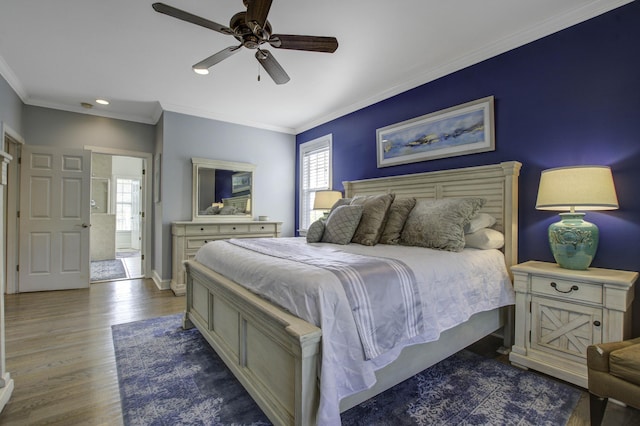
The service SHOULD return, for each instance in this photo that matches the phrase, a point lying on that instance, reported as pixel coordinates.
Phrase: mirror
(222, 190)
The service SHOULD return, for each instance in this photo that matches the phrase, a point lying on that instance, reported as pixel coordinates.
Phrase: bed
(279, 357)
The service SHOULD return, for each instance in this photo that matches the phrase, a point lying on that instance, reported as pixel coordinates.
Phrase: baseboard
(6, 390)
(160, 283)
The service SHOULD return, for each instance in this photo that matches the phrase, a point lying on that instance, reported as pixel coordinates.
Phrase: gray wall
(10, 107)
(185, 136)
(178, 138)
(52, 127)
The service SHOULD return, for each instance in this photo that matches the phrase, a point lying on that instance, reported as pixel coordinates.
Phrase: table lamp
(574, 241)
(325, 199)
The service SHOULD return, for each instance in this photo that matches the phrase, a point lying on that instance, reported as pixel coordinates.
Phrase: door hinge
(529, 336)
(19, 160)
(18, 213)
(529, 306)
(142, 214)
(144, 172)
(17, 268)
(142, 257)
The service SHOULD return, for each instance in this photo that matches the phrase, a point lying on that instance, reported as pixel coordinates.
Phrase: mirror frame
(204, 163)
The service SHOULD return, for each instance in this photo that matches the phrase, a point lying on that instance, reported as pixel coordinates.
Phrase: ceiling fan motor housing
(245, 35)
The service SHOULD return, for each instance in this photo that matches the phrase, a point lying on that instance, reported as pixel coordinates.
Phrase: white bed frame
(276, 356)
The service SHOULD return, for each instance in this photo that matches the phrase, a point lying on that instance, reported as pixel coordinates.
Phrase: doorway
(116, 217)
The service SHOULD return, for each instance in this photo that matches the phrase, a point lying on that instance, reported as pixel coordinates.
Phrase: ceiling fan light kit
(252, 30)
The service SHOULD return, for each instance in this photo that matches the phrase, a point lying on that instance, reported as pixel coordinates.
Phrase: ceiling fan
(252, 30)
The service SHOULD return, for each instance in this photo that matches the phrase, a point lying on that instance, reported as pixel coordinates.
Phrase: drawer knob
(234, 228)
(573, 288)
(202, 229)
(596, 323)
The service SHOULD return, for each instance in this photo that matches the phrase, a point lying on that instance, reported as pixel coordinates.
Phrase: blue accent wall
(570, 98)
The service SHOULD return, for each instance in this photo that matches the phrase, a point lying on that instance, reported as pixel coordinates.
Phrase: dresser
(188, 237)
(559, 312)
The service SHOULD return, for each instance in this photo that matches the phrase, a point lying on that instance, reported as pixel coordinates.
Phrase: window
(127, 203)
(315, 174)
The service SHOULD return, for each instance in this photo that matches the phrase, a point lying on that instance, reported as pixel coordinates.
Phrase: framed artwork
(459, 130)
(241, 182)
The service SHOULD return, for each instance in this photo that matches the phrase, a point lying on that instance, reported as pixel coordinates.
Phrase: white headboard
(497, 183)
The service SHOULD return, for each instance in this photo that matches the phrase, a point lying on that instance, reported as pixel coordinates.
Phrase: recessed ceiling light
(102, 102)
(201, 71)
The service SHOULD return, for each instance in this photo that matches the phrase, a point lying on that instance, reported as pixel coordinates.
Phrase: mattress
(452, 287)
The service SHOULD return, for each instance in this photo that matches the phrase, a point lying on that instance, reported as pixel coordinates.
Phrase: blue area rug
(169, 376)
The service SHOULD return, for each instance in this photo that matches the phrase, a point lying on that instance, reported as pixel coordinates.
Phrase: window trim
(304, 148)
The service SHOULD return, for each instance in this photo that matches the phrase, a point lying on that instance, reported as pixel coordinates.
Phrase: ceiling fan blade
(217, 57)
(257, 11)
(189, 17)
(302, 42)
(272, 67)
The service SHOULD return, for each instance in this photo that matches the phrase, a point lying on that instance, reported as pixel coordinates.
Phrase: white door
(54, 218)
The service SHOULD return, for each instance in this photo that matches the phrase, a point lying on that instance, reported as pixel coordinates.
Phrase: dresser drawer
(234, 229)
(573, 290)
(196, 243)
(262, 228)
(201, 229)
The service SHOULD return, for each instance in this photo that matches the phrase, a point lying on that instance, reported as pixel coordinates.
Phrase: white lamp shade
(579, 187)
(324, 200)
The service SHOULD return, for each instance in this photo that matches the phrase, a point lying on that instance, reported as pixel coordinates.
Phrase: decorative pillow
(374, 216)
(212, 210)
(479, 221)
(484, 239)
(398, 213)
(340, 202)
(228, 210)
(440, 224)
(341, 224)
(315, 231)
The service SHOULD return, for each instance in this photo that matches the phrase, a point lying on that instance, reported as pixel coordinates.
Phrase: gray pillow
(440, 224)
(341, 224)
(398, 214)
(315, 231)
(340, 202)
(374, 216)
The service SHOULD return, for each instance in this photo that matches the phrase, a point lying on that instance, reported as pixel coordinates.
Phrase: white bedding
(453, 287)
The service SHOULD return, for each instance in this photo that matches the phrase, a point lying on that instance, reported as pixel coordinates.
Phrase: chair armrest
(598, 355)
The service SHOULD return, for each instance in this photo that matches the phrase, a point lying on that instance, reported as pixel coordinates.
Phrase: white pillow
(479, 221)
(485, 239)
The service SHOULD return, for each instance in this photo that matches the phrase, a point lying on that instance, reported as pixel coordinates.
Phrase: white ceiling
(59, 53)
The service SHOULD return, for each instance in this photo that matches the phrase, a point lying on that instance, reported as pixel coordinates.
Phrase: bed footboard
(273, 354)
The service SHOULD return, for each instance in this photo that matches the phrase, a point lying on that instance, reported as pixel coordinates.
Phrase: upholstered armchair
(614, 372)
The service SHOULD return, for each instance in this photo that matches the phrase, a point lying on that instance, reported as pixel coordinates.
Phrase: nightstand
(559, 312)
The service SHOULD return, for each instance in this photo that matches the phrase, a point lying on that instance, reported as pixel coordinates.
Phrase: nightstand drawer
(574, 290)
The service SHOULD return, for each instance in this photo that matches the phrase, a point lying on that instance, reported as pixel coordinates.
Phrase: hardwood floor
(60, 354)
(59, 350)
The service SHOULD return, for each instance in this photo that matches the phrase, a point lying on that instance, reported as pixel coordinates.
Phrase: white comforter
(453, 287)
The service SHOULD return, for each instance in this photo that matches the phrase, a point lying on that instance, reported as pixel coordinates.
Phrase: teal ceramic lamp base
(573, 241)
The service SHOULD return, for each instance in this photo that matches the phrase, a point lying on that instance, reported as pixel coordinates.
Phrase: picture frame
(240, 182)
(460, 130)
